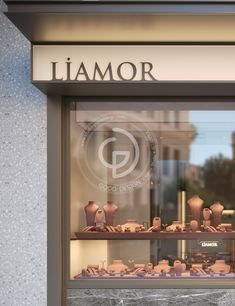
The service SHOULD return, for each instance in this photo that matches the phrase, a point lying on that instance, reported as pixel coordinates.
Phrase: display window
(151, 191)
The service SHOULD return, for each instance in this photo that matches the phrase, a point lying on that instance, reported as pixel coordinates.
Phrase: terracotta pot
(220, 265)
(194, 225)
(131, 225)
(110, 209)
(217, 210)
(195, 204)
(117, 266)
(90, 211)
(163, 265)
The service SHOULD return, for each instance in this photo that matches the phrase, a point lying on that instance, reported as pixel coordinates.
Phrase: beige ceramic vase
(117, 266)
(195, 204)
(217, 210)
(110, 209)
(163, 265)
(90, 211)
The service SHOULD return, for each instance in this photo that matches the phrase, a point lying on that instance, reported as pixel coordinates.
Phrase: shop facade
(140, 142)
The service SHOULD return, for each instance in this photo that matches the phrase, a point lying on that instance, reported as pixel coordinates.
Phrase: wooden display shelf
(154, 236)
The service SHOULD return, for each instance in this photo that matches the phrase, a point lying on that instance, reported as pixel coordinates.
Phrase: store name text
(125, 71)
(209, 243)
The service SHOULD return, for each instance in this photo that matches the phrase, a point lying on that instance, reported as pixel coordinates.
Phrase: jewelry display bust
(110, 209)
(195, 204)
(100, 218)
(217, 210)
(206, 215)
(90, 210)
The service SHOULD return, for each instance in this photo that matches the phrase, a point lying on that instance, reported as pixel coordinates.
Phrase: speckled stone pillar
(23, 176)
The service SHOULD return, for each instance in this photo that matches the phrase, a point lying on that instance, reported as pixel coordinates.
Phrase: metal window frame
(58, 213)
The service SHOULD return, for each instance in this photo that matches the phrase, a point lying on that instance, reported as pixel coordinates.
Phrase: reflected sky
(214, 134)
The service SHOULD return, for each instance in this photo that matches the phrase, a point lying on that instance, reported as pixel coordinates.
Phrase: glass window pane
(159, 176)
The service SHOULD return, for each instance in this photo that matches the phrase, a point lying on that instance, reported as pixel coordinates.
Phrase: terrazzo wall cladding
(23, 197)
(23, 161)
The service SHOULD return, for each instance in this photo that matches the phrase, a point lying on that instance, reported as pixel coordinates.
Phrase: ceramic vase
(117, 266)
(217, 210)
(110, 209)
(90, 211)
(195, 204)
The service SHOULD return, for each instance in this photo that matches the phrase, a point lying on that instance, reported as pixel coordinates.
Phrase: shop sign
(135, 63)
(209, 244)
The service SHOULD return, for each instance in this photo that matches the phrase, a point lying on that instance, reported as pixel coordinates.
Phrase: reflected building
(164, 138)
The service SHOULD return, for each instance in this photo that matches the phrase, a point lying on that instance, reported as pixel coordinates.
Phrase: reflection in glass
(149, 159)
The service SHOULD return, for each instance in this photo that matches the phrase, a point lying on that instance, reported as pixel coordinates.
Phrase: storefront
(141, 138)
